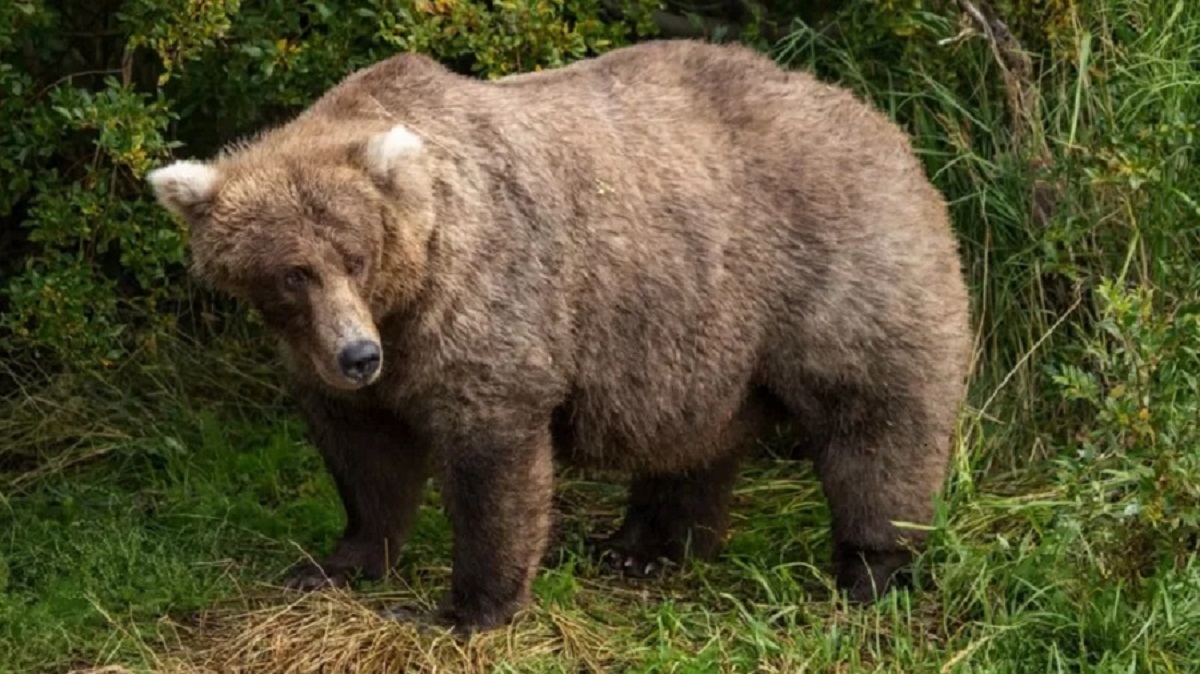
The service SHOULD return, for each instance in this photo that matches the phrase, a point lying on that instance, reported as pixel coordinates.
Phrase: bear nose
(359, 359)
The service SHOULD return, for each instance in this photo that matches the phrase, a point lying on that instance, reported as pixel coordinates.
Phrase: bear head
(322, 231)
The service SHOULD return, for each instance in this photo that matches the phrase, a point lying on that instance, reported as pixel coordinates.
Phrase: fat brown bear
(639, 262)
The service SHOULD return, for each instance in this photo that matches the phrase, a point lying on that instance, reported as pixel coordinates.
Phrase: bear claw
(633, 565)
(423, 622)
(311, 577)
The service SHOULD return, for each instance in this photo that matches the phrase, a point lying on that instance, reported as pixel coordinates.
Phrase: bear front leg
(674, 517)
(380, 471)
(498, 493)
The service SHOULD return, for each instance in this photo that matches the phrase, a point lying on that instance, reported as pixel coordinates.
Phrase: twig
(1029, 354)
(83, 73)
(1022, 94)
(1014, 63)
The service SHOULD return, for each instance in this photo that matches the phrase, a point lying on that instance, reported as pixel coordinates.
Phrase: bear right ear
(185, 188)
(386, 154)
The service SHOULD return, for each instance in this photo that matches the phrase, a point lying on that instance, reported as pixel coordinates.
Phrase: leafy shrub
(1131, 377)
(95, 94)
(1135, 460)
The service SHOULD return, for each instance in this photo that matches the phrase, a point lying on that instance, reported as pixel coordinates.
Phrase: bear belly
(608, 434)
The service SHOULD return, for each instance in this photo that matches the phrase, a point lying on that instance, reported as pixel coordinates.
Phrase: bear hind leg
(671, 518)
(686, 515)
(882, 464)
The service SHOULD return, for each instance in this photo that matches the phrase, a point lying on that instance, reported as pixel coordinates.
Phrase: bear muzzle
(359, 360)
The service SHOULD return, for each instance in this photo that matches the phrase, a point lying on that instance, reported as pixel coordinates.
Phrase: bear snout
(359, 360)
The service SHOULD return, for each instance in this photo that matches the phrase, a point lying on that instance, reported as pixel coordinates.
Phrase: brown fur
(636, 262)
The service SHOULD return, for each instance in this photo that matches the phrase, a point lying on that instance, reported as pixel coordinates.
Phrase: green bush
(94, 94)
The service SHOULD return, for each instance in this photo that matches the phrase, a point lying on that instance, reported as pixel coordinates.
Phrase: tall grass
(1078, 535)
(140, 512)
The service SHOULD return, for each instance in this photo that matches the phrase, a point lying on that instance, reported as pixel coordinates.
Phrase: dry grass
(336, 632)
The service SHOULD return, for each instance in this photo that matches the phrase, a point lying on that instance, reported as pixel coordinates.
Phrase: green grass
(144, 524)
(162, 555)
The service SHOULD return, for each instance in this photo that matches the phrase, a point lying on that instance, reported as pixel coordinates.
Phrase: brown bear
(637, 262)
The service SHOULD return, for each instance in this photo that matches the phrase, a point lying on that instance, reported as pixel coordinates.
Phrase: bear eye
(295, 279)
(355, 264)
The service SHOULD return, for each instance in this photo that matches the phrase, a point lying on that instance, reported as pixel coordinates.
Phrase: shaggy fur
(638, 262)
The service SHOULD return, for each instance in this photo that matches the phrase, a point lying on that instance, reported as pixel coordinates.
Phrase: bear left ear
(387, 153)
(185, 188)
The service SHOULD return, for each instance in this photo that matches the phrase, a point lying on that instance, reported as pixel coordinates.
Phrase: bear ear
(385, 154)
(185, 188)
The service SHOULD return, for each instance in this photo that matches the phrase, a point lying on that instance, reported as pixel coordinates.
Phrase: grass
(162, 554)
(144, 525)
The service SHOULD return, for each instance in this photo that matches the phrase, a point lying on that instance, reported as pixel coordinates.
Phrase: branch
(1022, 95)
(1014, 62)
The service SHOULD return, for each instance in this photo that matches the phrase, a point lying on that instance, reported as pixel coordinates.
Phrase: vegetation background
(154, 481)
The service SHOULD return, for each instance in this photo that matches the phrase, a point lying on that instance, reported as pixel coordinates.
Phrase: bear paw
(425, 623)
(351, 561)
(309, 576)
(482, 615)
(631, 558)
(866, 575)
